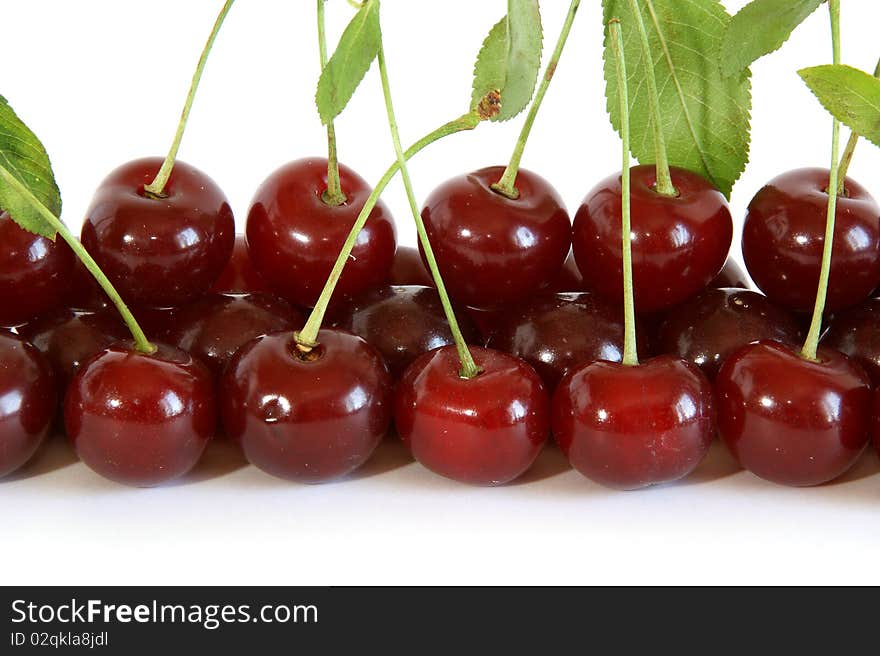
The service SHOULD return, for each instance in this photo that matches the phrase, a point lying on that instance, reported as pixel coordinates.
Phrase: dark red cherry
(558, 333)
(214, 328)
(732, 276)
(159, 251)
(712, 326)
(484, 431)
(631, 427)
(491, 250)
(408, 268)
(856, 333)
(141, 419)
(28, 401)
(35, 273)
(294, 237)
(569, 279)
(790, 420)
(678, 244)
(85, 293)
(307, 419)
(240, 276)
(784, 234)
(404, 322)
(486, 320)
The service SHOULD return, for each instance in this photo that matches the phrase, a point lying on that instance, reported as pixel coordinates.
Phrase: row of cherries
(537, 320)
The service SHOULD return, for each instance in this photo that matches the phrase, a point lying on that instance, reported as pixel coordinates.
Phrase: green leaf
(761, 27)
(24, 159)
(705, 117)
(852, 96)
(510, 60)
(357, 49)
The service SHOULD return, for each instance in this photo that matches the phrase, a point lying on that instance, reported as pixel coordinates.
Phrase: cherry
(560, 332)
(679, 244)
(408, 268)
(731, 277)
(307, 418)
(486, 320)
(35, 273)
(712, 326)
(141, 419)
(240, 276)
(214, 328)
(629, 427)
(85, 293)
(784, 234)
(491, 250)
(27, 401)
(164, 251)
(790, 420)
(569, 278)
(294, 237)
(404, 322)
(856, 333)
(486, 430)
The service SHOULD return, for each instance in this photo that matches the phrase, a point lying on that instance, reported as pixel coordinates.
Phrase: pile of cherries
(540, 301)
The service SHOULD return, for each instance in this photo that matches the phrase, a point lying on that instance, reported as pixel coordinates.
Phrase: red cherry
(28, 395)
(217, 326)
(402, 323)
(307, 420)
(731, 277)
(792, 421)
(35, 273)
(784, 234)
(240, 276)
(493, 251)
(141, 419)
(484, 431)
(85, 293)
(678, 244)
(569, 279)
(159, 252)
(561, 332)
(631, 427)
(856, 333)
(408, 268)
(712, 326)
(294, 237)
(486, 320)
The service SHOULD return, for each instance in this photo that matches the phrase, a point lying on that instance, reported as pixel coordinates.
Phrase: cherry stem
(812, 344)
(630, 351)
(333, 195)
(141, 342)
(308, 336)
(849, 151)
(156, 188)
(506, 186)
(664, 185)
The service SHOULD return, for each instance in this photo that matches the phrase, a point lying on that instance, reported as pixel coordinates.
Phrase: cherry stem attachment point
(506, 186)
(812, 344)
(333, 195)
(849, 151)
(156, 188)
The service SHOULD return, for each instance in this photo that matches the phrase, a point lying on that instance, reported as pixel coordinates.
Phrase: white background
(102, 82)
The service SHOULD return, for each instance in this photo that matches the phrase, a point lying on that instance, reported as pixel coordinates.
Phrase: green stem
(812, 344)
(630, 350)
(140, 339)
(850, 149)
(664, 178)
(307, 338)
(157, 187)
(507, 184)
(333, 195)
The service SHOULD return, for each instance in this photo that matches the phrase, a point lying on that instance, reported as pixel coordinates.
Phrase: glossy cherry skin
(561, 332)
(140, 419)
(491, 250)
(240, 276)
(159, 252)
(732, 276)
(404, 322)
(569, 279)
(709, 328)
(678, 244)
(85, 293)
(856, 334)
(294, 237)
(35, 273)
(484, 431)
(784, 234)
(28, 400)
(307, 421)
(792, 421)
(408, 269)
(631, 427)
